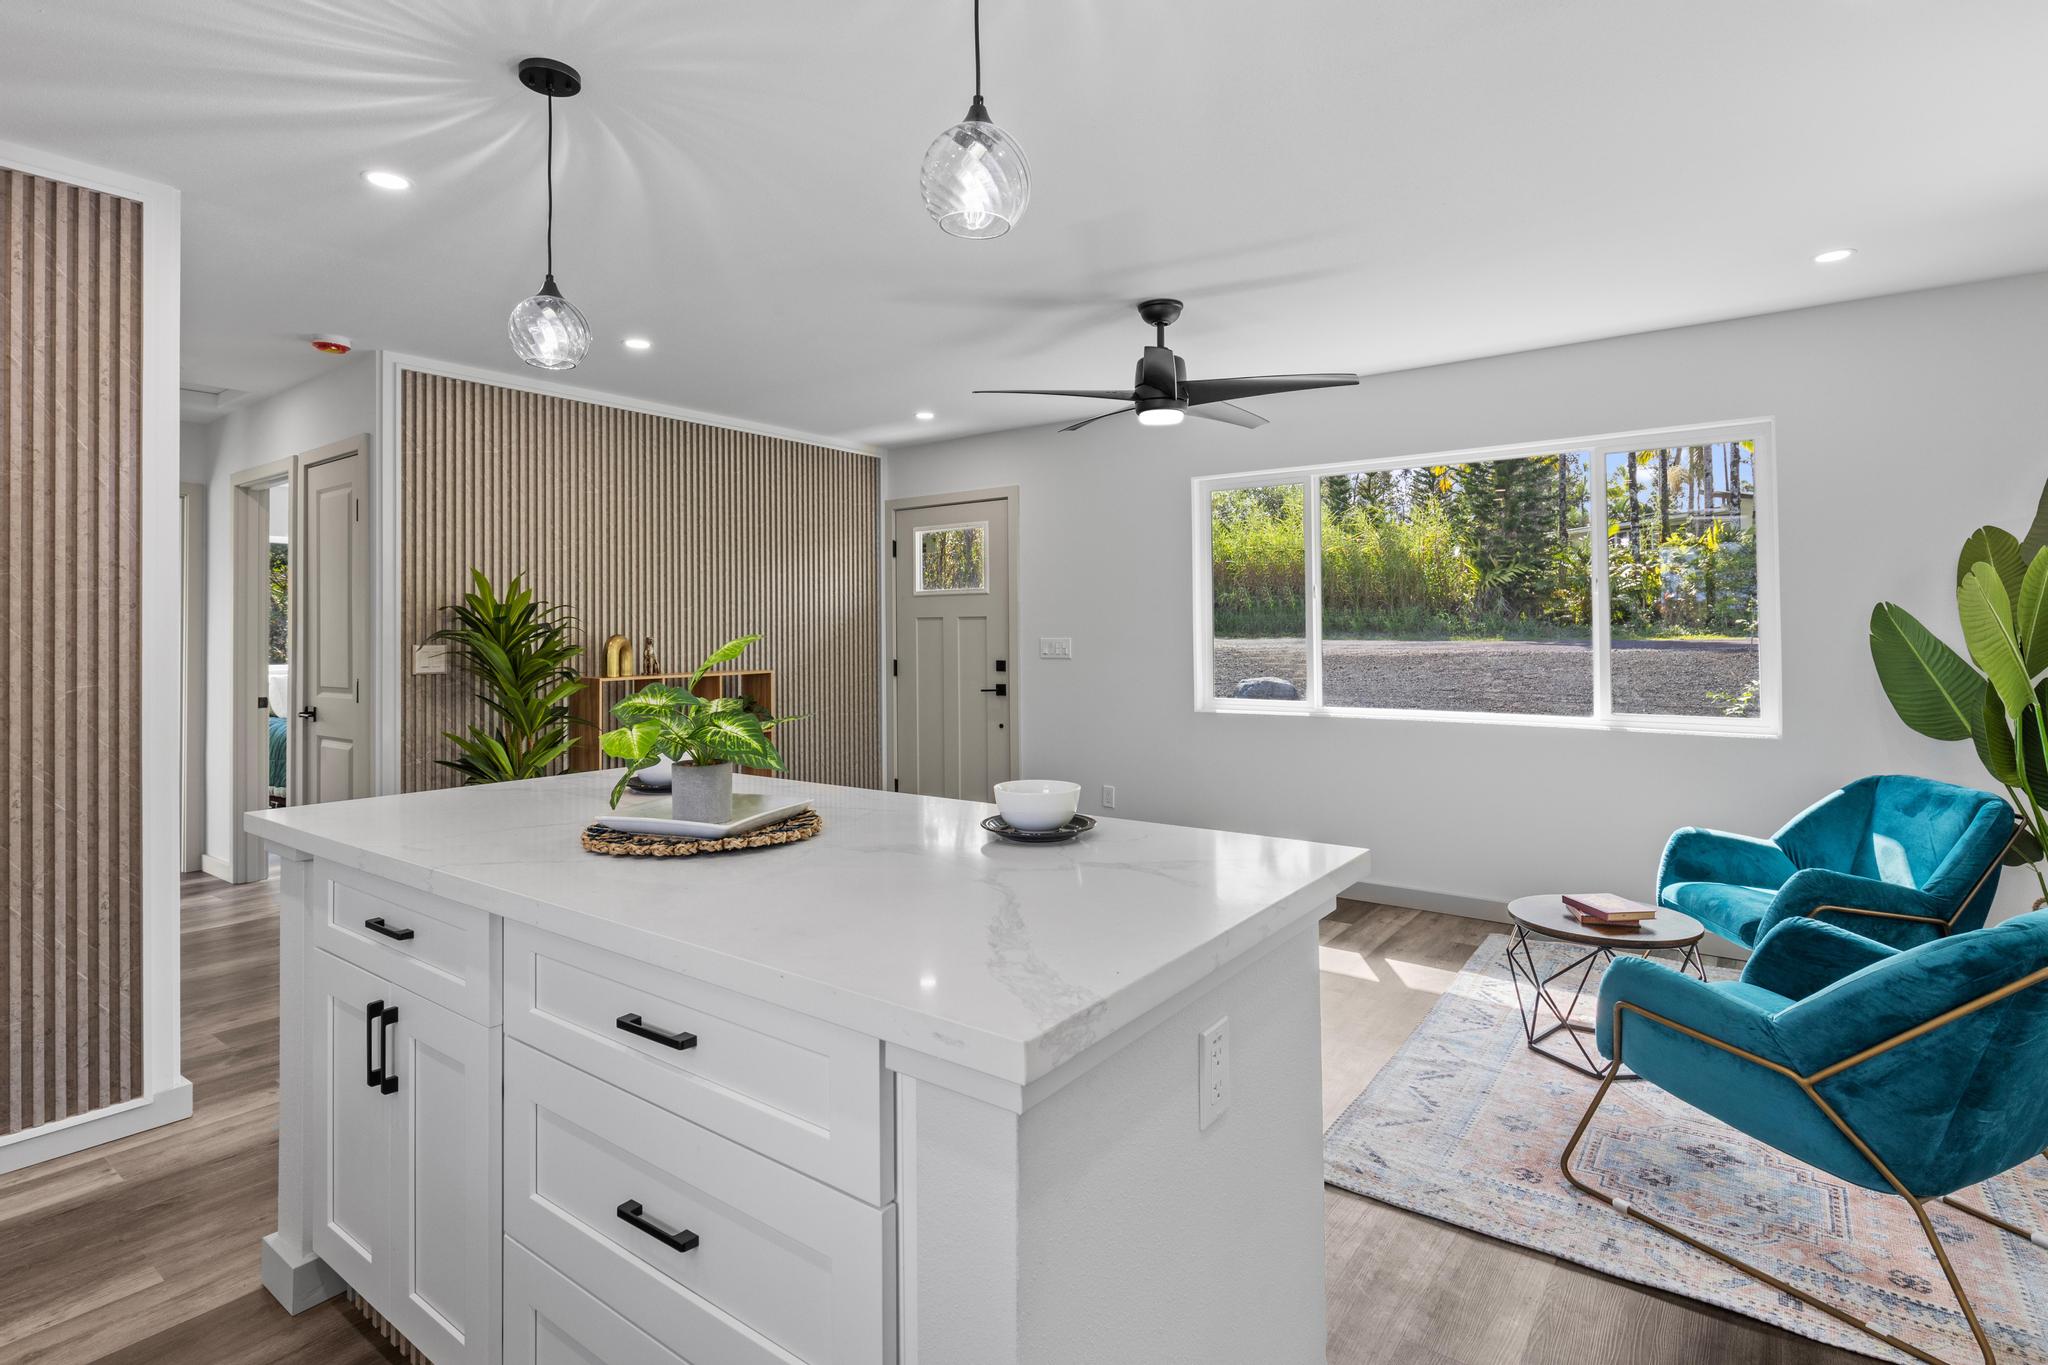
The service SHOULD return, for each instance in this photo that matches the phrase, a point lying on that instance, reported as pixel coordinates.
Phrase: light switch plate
(1055, 646)
(430, 659)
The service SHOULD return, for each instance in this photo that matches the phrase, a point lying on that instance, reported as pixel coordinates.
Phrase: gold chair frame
(1624, 1008)
(1941, 926)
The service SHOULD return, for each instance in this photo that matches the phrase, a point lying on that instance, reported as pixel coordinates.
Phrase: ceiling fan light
(1161, 417)
(975, 180)
(548, 332)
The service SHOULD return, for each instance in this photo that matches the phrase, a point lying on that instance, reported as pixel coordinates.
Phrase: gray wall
(1902, 424)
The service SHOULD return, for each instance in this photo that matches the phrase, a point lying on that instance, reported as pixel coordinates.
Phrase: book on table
(1604, 907)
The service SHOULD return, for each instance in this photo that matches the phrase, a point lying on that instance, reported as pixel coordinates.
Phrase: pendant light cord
(977, 50)
(551, 184)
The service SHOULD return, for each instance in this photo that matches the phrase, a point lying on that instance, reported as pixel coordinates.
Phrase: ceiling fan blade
(1114, 395)
(1086, 420)
(1257, 385)
(1228, 412)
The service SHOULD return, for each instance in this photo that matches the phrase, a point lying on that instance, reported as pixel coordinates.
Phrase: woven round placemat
(602, 838)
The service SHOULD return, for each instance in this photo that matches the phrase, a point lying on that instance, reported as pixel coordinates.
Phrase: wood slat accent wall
(645, 525)
(70, 576)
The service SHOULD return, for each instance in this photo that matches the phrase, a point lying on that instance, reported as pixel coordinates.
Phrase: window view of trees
(951, 559)
(1468, 587)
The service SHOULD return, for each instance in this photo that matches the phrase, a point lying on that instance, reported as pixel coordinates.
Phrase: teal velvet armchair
(1903, 860)
(1915, 1071)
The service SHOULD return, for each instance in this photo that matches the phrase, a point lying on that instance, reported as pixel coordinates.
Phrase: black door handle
(684, 1240)
(378, 926)
(631, 1023)
(309, 713)
(373, 1036)
(390, 1066)
(1000, 689)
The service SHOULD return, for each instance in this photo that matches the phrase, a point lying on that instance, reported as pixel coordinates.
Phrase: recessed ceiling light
(926, 416)
(387, 180)
(637, 343)
(1840, 253)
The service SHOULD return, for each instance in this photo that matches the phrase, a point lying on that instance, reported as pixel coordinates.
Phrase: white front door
(951, 671)
(331, 744)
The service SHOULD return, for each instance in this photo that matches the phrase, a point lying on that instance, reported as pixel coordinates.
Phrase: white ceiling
(1330, 185)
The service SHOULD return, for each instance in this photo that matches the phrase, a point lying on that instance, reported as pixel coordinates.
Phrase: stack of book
(1605, 910)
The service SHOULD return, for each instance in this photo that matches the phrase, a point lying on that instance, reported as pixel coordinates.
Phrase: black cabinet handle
(685, 1240)
(390, 1066)
(378, 926)
(373, 1037)
(631, 1023)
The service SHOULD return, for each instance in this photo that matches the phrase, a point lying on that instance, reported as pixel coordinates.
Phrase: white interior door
(331, 571)
(951, 670)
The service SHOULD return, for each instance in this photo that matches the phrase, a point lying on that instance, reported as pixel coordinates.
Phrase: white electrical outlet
(1215, 1071)
(1055, 646)
(1108, 797)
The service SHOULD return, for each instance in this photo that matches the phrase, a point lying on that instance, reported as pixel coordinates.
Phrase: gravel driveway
(1528, 677)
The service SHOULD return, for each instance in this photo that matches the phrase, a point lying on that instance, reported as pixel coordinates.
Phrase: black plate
(1073, 829)
(634, 784)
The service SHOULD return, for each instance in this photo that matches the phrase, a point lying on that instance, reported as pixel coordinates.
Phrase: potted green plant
(2002, 703)
(701, 738)
(522, 653)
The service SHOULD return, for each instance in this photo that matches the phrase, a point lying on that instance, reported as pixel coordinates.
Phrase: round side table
(1536, 993)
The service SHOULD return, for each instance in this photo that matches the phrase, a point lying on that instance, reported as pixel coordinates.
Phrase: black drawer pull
(685, 1240)
(373, 1037)
(631, 1023)
(378, 926)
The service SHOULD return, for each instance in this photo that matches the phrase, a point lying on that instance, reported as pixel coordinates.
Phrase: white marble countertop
(903, 919)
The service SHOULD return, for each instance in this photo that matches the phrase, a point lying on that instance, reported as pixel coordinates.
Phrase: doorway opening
(301, 636)
(952, 650)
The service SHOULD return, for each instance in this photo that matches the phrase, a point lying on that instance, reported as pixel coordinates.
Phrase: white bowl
(1035, 803)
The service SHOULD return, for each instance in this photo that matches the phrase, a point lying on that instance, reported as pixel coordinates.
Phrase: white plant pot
(701, 791)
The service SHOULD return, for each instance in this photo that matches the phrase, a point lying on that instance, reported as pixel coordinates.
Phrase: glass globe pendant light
(976, 181)
(547, 331)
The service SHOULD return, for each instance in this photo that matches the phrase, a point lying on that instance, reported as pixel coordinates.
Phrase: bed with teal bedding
(278, 727)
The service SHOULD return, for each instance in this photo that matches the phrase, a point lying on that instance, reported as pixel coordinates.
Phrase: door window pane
(1459, 587)
(1258, 575)
(952, 558)
(1681, 572)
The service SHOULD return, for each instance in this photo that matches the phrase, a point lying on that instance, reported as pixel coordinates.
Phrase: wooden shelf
(590, 710)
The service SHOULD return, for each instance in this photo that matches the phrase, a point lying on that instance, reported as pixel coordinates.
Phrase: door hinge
(359, 509)
(359, 689)
(892, 668)
(895, 784)
(892, 549)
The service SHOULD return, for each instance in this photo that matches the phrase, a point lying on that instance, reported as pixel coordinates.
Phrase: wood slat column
(70, 578)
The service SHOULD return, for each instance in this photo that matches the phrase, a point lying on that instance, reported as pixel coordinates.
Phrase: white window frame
(1768, 723)
(917, 535)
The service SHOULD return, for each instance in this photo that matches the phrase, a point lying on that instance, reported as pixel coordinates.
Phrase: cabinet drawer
(438, 950)
(780, 1263)
(549, 1320)
(807, 1093)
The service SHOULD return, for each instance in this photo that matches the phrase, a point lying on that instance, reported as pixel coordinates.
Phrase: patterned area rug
(1465, 1125)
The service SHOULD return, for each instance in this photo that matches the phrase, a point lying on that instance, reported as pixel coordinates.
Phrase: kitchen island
(899, 1093)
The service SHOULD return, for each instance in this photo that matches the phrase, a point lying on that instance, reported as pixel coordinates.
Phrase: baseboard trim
(297, 1282)
(37, 1145)
(1493, 912)
(216, 867)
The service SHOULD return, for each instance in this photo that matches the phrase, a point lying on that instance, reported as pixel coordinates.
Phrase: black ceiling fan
(1162, 393)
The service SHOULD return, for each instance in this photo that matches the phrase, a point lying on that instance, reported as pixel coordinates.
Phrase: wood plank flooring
(144, 1252)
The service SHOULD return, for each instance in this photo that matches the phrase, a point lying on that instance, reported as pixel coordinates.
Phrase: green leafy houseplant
(2001, 704)
(662, 721)
(522, 654)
